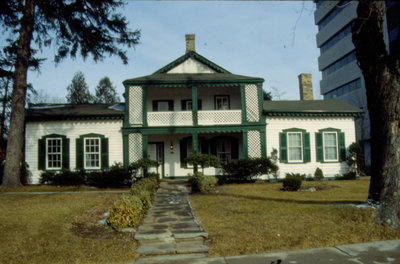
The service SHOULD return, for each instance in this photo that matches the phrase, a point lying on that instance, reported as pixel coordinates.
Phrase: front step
(171, 259)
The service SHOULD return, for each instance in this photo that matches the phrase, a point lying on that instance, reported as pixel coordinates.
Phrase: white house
(191, 105)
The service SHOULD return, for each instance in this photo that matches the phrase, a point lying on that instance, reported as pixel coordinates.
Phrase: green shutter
(282, 147)
(42, 154)
(65, 153)
(79, 153)
(342, 147)
(319, 146)
(306, 147)
(104, 153)
(183, 153)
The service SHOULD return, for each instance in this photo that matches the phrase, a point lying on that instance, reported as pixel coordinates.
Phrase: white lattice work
(252, 105)
(220, 117)
(178, 118)
(254, 144)
(136, 105)
(135, 147)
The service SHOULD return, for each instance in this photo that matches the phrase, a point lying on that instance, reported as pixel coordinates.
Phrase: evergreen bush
(318, 175)
(201, 183)
(293, 181)
(126, 212)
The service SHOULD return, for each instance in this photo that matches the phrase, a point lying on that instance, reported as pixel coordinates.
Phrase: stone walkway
(170, 229)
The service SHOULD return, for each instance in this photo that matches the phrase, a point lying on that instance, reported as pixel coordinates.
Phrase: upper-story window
(187, 105)
(222, 102)
(163, 105)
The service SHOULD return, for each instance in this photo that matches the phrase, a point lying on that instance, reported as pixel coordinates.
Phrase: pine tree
(90, 28)
(105, 92)
(78, 90)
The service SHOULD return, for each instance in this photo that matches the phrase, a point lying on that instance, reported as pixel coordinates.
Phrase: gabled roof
(196, 56)
(187, 78)
(74, 111)
(331, 107)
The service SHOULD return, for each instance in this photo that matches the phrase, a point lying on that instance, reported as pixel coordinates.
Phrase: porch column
(194, 105)
(195, 147)
(245, 146)
(243, 101)
(144, 105)
(145, 145)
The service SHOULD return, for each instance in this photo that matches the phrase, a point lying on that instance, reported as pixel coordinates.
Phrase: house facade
(189, 106)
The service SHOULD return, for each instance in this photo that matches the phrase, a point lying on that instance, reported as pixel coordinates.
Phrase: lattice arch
(135, 144)
(135, 105)
(252, 103)
(254, 143)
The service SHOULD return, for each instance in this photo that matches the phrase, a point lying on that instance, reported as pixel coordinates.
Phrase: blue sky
(274, 40)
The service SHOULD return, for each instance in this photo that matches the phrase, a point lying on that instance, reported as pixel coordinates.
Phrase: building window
(294, 146)
(344, 89)
(222, 102)
(163, 105)
(338, 8)
(92, 153)
(330, 145)
(54, 153)
(339, 64)
(187, 105)
(224, 150)
(336, 38)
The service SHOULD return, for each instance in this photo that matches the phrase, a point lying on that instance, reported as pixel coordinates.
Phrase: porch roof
(331, 107)
(73, 111)
(192, 78)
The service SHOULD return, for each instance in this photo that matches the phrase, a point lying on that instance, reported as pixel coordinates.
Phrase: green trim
(193, 55)
(200, 83)
(194, 105)
(125, 149)
(195, 143)
(310, 113)
(42, 152)
(245, 145)
(341, 145)
(104, 150)
(260, 101)
(283, 145)
(144, 105)
(243, 101)
(126, 115)
(91, 117)
(192, 129)
(263, 142)
(145, 145)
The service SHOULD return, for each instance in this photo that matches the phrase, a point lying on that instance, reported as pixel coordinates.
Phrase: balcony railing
(177, 118)
(219, 117)
(184, 118)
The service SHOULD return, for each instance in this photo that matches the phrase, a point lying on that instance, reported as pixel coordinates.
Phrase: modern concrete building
(341, 77)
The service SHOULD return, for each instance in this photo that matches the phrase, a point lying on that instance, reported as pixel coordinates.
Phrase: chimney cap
(190, 42)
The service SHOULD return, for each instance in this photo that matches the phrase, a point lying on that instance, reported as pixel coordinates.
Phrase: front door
(155, 152)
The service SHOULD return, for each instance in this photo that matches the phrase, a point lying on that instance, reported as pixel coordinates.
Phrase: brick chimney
(305, 86)
(189, 42)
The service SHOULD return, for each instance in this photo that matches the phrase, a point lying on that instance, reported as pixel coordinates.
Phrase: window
(224, 150)
(339, 64)
(330, 145)
(294, 146)
(222, 102)
(53, 152)
(341, 90)
(92, 152)
(187, 105)
(163, 105)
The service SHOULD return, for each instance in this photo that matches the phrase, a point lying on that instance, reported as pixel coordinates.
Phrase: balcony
(184, 118)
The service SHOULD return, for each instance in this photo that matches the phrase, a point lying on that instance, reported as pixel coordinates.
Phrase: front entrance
(155, 152)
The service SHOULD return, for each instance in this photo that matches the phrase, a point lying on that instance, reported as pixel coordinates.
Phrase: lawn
(259, 218)
(60, 228)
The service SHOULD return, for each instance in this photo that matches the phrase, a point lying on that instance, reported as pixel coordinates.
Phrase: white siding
(191, 66)
(275, 125)
(111, 129)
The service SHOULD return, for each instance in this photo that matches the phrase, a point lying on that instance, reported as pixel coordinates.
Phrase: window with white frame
(295, 146)
(222, 102)
(92, 153)
(224, 150)
(53, 153)
(330, 146)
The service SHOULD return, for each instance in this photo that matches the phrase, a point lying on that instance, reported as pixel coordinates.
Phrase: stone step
(153, 234)
(178, 234)
(172, 259)
(168, 248)
(191, 247)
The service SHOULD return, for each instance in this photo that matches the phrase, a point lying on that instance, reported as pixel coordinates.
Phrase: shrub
(202, 183)
(351, 175)
(318, 175)
(355, 159)
(64, 177)
(203, 160)
(126, 212)
(116, 176)
(244, 170)
(145, 197)
(292, 181)
(142, 164)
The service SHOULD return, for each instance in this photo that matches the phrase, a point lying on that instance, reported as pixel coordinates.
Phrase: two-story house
(191, 105)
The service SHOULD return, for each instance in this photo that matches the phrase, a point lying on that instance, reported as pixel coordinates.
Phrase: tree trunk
(14, 154)
(3, 120)
(381, 71)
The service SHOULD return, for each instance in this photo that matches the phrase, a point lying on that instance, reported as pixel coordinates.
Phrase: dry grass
(255, 218)
(60, 228)
(52, 188)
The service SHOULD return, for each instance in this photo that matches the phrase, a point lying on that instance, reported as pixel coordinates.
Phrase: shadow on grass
(270, 199)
